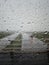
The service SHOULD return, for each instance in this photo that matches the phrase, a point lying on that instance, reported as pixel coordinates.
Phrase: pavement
(32, 44)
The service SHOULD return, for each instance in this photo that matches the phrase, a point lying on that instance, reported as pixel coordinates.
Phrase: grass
(41, 35)
(15, 46)
(4, 34)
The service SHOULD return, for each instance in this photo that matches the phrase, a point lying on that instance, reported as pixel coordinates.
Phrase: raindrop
(17, 31)
(46, 14)
(8, 17)
(4, 20)
(2, 17)
(22, 22)
(41, 23)
(0, 5)
(28, 22)
(7, 29)
(5, 0)
(32, 22)
(44, 19)
(21, 26)
(46, 32)
(12, 10)
(37, 54)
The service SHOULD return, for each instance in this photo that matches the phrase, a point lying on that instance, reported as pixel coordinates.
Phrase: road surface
(34, 45)
(25, 58)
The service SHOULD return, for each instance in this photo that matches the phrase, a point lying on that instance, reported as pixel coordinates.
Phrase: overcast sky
(24, 15)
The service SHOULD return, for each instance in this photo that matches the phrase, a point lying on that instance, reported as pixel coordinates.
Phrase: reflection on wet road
(26, 42)
(32, 44)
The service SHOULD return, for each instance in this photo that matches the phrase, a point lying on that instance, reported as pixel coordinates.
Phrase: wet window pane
(24, 32)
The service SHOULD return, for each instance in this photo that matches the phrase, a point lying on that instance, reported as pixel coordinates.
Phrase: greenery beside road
(14, 45)
(42, 35)
(4, 34)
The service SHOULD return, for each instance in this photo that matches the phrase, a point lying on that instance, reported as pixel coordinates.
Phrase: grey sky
(17, 14)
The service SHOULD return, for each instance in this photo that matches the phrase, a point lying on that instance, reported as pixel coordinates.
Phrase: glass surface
(24, 32)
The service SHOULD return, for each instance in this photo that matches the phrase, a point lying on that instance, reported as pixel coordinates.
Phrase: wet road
(32, 44)
(11, 58)
(6, 41)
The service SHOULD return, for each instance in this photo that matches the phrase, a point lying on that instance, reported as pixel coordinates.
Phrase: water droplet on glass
(4, 20)
(28, 22)
(21, 26)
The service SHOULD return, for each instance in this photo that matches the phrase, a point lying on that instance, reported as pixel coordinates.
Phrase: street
(32, 44)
